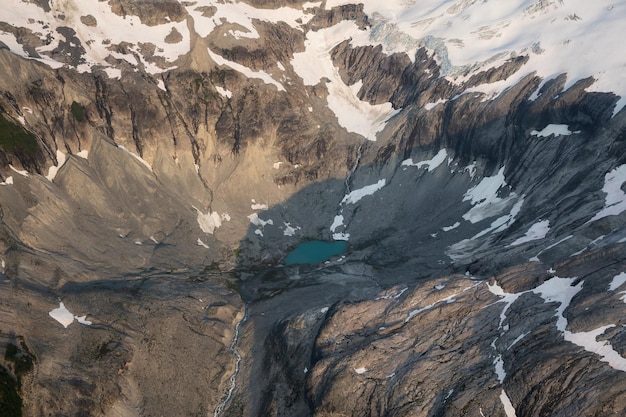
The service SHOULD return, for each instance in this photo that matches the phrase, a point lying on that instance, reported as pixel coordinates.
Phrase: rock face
(108, 366)
(158, 160)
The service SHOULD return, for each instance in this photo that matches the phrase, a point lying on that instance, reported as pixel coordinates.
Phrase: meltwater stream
(233, 378)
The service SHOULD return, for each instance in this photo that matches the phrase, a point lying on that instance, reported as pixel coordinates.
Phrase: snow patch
(137, 157)
(618, 281)
(588, 341)
(23, 173)
(111, 29)
(431, 164)
(258, 206)
(392, 297)
(341, 236)
(448, 228)
(360, 371)
(210, 220)
(257, 221)
(471, 169)
(356, 195)
(261, 75)
(498, 364)
(311, 5)
(113, 73)
(559, 290)
(290, 230)
(430, 106)
(65, 317)
(52, 171)
(484, 197)
(223, 91)
(201, 243)
(353, 114)
(503, 222)
(537, 231)
(507, 298)
(244, 15)
(553, 129)
(337, 222)
(486, 200)
(62, 315)
(615, 200)
(517, 339)
(509, 410)
(562, 291)
(83, 320)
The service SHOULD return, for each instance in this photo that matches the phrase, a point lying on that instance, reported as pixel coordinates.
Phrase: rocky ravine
(486, 231)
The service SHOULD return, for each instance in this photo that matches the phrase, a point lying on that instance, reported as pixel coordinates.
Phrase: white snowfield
(577, 37)
(352, 113)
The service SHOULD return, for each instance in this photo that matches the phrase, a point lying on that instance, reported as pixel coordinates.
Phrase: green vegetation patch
(15, 139)
(78, 111)
(10, 399)
(21, 357)
(11, 382)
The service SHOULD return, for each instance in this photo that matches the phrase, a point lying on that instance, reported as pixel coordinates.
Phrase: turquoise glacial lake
(315, 251)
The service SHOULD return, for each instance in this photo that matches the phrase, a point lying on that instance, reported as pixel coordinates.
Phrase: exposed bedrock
(485, 242)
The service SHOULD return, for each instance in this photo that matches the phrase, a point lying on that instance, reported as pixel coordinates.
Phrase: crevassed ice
(471, 35)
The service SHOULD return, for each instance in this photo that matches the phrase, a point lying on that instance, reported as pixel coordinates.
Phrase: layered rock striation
(158, 160)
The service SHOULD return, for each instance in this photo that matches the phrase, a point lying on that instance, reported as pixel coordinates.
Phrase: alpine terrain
(284, 208)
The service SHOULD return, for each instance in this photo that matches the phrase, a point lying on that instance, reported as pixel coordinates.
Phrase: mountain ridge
(159, 181)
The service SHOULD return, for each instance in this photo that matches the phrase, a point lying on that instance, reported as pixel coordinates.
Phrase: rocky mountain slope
(159, 160)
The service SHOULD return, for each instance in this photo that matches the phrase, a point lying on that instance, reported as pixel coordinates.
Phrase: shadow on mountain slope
(436, 231)
(419, 235)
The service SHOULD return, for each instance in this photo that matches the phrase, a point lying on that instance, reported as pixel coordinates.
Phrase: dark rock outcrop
(160, 208)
